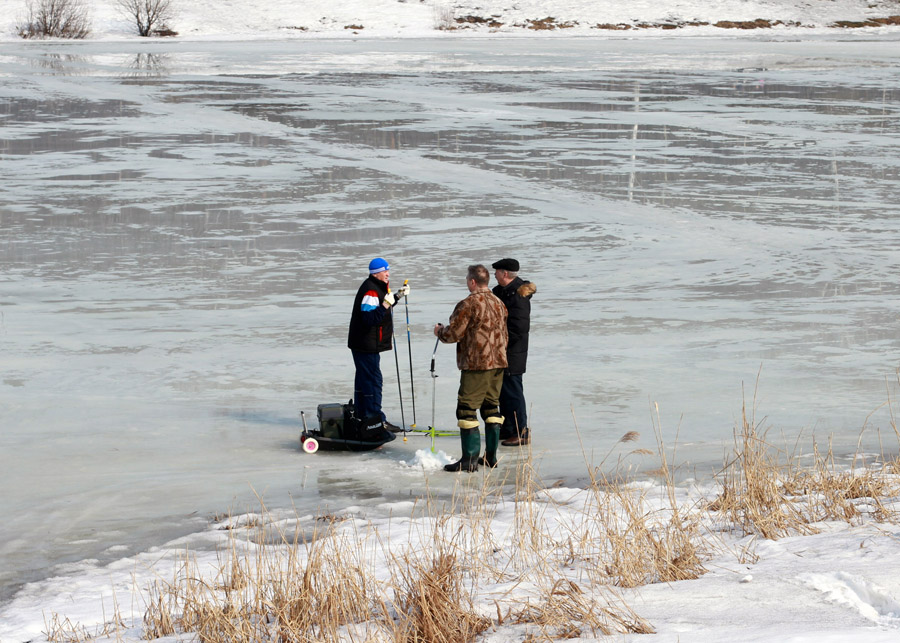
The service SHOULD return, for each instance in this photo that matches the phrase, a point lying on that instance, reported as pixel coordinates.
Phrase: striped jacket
(371, 324)
(478, 327)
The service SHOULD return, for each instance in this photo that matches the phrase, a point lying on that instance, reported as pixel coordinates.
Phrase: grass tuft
(566, 611)
(753, 494)
(433, 603)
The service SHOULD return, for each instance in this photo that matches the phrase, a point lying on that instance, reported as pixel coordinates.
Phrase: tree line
(71, 18)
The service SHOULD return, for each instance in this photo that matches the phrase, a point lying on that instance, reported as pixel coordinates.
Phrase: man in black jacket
(516, 294)
(371, 330)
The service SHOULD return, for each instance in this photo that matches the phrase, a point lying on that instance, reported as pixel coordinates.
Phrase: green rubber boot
(491, 442)
(471, 445)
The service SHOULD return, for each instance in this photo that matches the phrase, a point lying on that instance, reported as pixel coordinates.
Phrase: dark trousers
(512, 407)
(367, 384)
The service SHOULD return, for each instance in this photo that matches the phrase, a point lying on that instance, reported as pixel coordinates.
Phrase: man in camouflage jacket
(478, 327)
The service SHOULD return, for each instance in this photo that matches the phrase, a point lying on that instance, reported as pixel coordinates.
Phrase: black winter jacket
(517, 297)
(371, 324)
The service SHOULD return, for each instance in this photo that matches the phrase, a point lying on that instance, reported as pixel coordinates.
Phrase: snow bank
(277, 19)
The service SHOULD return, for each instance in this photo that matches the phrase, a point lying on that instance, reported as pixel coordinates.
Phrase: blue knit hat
(378, 265)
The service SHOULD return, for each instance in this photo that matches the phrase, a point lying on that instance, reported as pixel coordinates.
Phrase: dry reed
(433, 603)
(753, 495)
(829, 493)
(158, 618)
(765, 491)
(560, 569)
(60, 629)
(632, 540)
(567, 611)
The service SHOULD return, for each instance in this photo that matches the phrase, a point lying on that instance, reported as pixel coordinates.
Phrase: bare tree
(148, 15)
(56, 19)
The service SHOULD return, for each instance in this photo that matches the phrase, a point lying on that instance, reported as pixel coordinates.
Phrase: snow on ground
(839, 584)
(247, 19)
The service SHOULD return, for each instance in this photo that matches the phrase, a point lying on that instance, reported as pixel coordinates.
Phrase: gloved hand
(390, 299)
(403, 291)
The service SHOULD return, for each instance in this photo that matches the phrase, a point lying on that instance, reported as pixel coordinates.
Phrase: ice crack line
(858, 594)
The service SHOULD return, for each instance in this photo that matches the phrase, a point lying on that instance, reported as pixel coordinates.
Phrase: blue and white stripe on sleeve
(369, 301)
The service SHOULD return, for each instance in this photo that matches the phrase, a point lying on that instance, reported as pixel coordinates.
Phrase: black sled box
(331, 420)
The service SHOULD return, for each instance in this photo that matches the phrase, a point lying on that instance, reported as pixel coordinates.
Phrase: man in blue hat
(371, 330)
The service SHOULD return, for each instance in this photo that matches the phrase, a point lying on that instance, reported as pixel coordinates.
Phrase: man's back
(478, 323)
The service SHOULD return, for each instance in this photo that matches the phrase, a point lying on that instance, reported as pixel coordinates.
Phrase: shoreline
(613, 557)
(482, 22)
(535, 28)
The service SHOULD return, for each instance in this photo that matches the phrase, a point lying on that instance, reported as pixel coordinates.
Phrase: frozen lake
(183, 227)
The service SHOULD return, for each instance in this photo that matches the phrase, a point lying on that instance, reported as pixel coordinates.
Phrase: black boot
(490, 464)
(471, 445)
(464, 464)
(491, 441)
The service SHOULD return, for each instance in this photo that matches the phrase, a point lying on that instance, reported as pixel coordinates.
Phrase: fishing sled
(340, 430)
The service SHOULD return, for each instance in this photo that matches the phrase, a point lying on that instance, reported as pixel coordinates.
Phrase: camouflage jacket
(478, 324)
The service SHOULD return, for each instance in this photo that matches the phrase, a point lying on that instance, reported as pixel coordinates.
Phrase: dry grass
(829, 493)
(158, 618)
(263, 590)
(566, 611)
(433, 603)
(765, 491)
(632, 539)
(753, 495)
(892, 467)
(289, 590)
(562, 557)
(643, 545)
(61, 630)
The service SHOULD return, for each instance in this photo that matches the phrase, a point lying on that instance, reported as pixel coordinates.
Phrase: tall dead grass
(59, 629)
(553, 562)
(433, 603)
(289, 589)
(753, 496)
(829, 492)
(566, 611)
(636, 535)
(766, 491)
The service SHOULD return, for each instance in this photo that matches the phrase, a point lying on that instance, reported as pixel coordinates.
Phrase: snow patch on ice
(428, 461)
(117, 548)
(242, 521)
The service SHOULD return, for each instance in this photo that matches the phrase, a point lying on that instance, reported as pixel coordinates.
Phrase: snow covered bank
(770, 552)
(246, 19)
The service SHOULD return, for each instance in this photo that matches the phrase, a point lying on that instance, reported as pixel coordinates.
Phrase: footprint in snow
(858, 594)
